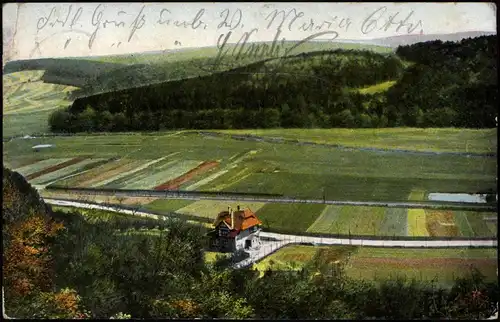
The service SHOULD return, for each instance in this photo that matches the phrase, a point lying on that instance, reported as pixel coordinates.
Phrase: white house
(236, 230)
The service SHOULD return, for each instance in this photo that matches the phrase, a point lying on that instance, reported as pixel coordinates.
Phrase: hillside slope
(438, 88)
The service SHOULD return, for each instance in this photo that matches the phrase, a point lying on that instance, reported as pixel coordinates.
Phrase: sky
(32, 30)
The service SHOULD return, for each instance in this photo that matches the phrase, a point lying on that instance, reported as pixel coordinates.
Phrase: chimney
(231, 213)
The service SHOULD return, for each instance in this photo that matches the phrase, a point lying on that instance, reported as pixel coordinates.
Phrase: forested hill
(431, 84)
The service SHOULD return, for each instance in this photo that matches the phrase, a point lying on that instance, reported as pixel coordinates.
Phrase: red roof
(243, 219)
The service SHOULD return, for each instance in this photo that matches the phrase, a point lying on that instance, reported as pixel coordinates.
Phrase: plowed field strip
(395, 222)
(54, 168)
(206, 180)
(152, 177)
(441, 223)
(417, 223)
(325, 223)
(175, 183)
(110, 174)
(67, 171)
(131, 172)
(39, 166)
(77, 180)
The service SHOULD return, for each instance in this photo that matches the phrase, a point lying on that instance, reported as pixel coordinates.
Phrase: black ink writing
(53, 18)
(378, 19)
(244, 48)
(76, 17)
(138, 23)
(294, 20)
(284, 17)
(194, 23)
(114, 22)
(96, 22)
(234, 22)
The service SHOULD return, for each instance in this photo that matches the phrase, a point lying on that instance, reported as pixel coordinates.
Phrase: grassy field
(353, 219)
(413, 139)
(28, 102)
(292, 217)
(301, 171)
(379, 263)
(417, 223)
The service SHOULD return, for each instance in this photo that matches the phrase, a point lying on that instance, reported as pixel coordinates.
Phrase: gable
(243, 219)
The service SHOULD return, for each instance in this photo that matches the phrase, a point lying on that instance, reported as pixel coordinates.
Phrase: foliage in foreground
(91, 269)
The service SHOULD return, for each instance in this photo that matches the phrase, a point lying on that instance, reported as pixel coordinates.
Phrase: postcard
(250, 160)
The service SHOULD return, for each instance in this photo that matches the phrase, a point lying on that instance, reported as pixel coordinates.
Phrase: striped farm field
(205, 181)
(417, 223)
(463, 224)
(115, 181)
(362, 220)
(395, 222)
(230, 178)
(39, 166)
(187, 176)
(353, 219)
(294, 217)
(82, 165)
(94, 175)
(476, 222)
(141, 174)
(441, 223)
(493, 228)
(211, 208)
(124, 166)
(172, 171)
(325, 223)
(54, 168)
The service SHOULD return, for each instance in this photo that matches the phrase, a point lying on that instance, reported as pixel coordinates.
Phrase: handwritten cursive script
(237, 38)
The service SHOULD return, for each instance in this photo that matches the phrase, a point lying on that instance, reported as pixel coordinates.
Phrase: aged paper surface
(327, 137)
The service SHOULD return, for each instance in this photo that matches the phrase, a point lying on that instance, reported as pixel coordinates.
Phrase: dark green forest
(434, 84)
(73, 264)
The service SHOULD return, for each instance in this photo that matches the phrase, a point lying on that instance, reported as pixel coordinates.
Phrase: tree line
(437, 84)
(60, 264)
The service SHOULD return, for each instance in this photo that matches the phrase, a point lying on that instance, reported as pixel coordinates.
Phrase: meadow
(28, 102)
(412, 139)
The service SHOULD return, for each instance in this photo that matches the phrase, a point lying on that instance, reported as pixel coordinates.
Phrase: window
(223, 232)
